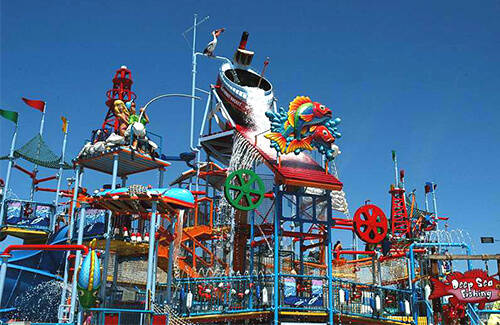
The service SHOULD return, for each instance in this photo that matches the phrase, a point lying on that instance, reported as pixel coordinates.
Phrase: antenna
(191, 46)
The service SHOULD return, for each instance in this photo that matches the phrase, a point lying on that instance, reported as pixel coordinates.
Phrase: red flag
(36, 104)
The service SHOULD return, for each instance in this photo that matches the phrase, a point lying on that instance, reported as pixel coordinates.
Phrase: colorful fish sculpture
(305, 126)
(474, 286)
(89, 279)
(320, 134)
(302, 112)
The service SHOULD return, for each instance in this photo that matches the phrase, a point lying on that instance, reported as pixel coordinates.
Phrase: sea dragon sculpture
(89, 278)
(305, 126)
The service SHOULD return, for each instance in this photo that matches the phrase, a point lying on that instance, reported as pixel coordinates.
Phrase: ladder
(400, 222)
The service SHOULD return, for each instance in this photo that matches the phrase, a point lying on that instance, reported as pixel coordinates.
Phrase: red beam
(30, 174)
(260, 242)
(300, 234)
(305, 238)
(36, 181)
(345, 252)
(45, 248)
(45, 189)
(341, 223)
(342, 228)
(400, 253)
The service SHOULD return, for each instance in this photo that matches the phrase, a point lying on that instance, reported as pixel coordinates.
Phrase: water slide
(27, 269)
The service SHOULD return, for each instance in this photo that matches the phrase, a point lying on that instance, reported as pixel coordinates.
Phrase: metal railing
(222, 295)
(199, 296)
(372, 301)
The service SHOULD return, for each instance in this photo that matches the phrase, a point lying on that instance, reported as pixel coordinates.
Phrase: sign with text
(474, 286)
(487, 240)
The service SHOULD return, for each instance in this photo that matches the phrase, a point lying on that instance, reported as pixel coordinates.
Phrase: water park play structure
(247, 235)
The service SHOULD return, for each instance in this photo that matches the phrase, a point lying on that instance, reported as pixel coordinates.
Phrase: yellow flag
(65, 124)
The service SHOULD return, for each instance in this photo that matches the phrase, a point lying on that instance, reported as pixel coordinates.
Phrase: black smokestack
(244, 39)
(242, 56)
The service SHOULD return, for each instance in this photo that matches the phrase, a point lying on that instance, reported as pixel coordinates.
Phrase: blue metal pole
(35, 169)
(70, 238)
(435, 204)
(396, 182)
(411, 254)
(155, 255)
(330, 256)
(59, 179)
(7, 179)
(301, 241)
(81, 225)
(3, 274)
(277, 216)
(252, 250)
(207, 106)
(108, 234)
(193, 85)
(152, 241)
(171, 256)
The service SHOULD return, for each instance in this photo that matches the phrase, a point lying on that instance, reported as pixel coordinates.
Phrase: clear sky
(418, 77)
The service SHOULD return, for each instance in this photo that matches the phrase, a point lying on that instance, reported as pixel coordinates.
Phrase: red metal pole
(301, 234)
(30, 174)
(343, 252)
(37, 181)
(343, 228)
(10, 248)
(44, 189)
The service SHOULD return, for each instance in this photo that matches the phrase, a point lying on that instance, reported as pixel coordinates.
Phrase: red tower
(122, 90)
(400, 222)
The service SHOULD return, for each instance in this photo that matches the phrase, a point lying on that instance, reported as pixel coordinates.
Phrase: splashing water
(40, 303)
(449, 236)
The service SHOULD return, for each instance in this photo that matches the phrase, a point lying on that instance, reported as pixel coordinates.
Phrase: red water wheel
(370, 224)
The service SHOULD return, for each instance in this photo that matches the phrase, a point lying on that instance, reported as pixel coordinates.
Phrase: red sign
(473, 286)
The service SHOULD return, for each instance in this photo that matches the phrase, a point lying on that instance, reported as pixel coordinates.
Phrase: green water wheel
(244, 189)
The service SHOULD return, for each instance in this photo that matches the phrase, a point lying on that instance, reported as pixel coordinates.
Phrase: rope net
(38, 152)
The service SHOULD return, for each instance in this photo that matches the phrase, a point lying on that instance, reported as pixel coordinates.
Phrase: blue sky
(421, 78)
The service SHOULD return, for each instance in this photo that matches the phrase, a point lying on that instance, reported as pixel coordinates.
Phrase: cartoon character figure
(122, 113)
(136, 125)
(89, 279)
(305, 126)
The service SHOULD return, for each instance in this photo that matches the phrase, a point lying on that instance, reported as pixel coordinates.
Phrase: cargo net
(392, 272)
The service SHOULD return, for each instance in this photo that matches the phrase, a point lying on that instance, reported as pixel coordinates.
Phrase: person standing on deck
(336, 248)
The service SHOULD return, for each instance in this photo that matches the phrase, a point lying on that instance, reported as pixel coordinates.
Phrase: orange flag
(65, 124)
